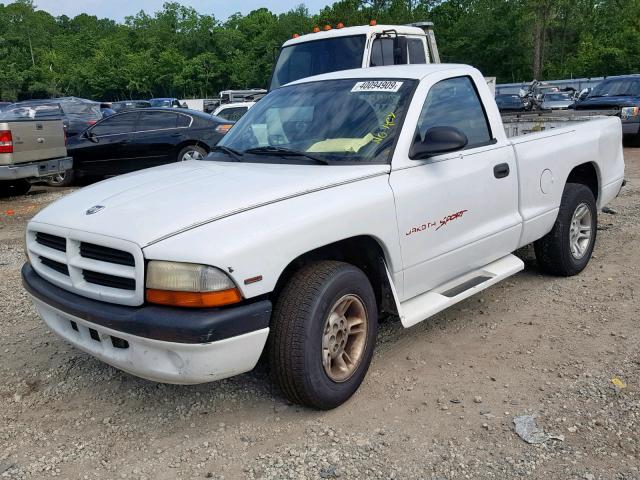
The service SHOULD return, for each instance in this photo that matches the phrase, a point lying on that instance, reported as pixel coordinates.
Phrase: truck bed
(523, 123)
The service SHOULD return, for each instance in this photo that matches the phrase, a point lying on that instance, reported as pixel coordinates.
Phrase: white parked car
(233, 111)
(335, 198)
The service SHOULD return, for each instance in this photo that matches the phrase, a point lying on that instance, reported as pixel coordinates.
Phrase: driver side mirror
(92, 137)
(438, 140)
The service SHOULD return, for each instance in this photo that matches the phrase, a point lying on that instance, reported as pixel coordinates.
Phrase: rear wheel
(567, 248)
(323, 334)
(191, 152)
(12, 188)
(63, 179)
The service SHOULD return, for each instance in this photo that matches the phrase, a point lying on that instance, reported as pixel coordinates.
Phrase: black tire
(65, 179)
(191, 149)
(553, 251)
(12, 188)
(297, 328)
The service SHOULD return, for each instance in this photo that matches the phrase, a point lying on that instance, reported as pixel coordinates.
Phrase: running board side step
(423, 306)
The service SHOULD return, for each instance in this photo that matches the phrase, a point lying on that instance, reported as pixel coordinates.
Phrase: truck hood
(149, 205)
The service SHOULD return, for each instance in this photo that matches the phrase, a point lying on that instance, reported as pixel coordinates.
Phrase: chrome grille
(94, 266)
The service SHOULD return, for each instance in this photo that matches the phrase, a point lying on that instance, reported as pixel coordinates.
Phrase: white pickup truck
(335, 199)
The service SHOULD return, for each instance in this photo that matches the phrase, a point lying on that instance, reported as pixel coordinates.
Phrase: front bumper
(44, 168)
(630, 128)
(168, 345)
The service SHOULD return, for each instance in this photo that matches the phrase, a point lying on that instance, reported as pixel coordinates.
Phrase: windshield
(335, 121)
(617, 87)
(307, 59)
(160, 103)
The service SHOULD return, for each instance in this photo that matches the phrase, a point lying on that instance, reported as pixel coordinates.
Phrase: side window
(455, 103)
(156, 121)
(416, 51)
(233, 114)
(183, 121)
(117, 124)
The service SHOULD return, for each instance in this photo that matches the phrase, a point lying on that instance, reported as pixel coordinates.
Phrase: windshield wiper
(235, 154)
(285, 152)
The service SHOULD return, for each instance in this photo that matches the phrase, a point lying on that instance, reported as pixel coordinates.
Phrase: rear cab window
(382, 52)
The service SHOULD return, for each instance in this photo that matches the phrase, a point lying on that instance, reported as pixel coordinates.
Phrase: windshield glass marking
(372, 86)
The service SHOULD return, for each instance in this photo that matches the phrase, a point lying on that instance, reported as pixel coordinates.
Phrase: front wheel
(191, 152)
(567, 248)
(323, 334)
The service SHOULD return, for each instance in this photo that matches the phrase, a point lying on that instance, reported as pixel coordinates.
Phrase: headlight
(189, 285)
(628, 112)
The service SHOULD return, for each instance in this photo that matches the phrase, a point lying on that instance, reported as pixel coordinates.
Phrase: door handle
(501, 170)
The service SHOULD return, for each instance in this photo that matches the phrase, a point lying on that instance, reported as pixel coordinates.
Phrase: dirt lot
(438, 403)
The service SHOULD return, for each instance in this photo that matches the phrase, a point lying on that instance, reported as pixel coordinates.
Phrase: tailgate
(34, 140)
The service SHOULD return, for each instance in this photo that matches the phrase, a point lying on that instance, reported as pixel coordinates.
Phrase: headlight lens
(628, 112)
(189, 285)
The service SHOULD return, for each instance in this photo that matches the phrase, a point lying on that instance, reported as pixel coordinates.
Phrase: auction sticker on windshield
(377, 86)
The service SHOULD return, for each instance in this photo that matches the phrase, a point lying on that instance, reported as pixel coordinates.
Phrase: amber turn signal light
(194, 299)
(224, 128)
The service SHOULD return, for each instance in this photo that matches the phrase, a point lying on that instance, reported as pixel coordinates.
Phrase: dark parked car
(510, 103)
(130, 105)
(106, 110)
(77, 114)
(617, 93)
(138, 139)
(165, 102)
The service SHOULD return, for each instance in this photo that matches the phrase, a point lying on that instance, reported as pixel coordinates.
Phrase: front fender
(263, 241)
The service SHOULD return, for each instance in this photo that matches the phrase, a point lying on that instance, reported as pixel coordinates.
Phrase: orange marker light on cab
(373, 23)
(316, 29)
(295, 35)
(327, 28)
(340, 25)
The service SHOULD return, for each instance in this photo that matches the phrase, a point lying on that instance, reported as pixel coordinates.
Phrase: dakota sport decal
(437, 225)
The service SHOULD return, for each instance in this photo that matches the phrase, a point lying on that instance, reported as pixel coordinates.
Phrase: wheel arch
(363, 251)
(587, 174)
(190, 143)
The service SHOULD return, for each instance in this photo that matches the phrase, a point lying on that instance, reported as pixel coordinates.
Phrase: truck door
(459, 211)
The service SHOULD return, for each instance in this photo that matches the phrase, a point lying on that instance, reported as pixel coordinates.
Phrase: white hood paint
(149, 205)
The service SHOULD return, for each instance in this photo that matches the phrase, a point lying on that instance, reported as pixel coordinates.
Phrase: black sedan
(510, 103)
(138, 139)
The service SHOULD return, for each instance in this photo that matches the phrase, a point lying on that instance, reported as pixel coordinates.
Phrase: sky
(119, 9)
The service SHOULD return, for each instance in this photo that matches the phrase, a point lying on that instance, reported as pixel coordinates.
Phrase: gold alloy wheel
(344, 338)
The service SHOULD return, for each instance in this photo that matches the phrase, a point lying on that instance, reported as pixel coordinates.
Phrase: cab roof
(416, 72)
(351, 31)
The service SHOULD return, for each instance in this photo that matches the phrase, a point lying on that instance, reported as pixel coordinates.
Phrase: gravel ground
(438, 403)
